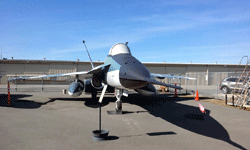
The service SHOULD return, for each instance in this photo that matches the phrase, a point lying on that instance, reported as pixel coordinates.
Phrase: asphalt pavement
(53, 120)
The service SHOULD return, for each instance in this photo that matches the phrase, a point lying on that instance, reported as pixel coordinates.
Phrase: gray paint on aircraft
(132, 72)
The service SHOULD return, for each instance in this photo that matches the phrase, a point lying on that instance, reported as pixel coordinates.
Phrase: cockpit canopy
(119, 48)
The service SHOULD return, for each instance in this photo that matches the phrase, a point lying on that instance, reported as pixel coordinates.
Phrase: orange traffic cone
(197, 96)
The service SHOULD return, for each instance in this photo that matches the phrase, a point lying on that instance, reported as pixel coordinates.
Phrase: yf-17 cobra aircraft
(120, 71)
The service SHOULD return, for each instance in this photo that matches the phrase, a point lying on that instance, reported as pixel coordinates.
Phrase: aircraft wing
(83, 73)
(162, 76)
(153, 81)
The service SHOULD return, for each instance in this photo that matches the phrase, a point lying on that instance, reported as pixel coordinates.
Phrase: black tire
(224, 90)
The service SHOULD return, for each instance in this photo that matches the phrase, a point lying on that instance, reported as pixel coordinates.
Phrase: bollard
(233, 100)
(226, 99)
(175, 92)
(64, 91)
(8, 98)
(42, 84)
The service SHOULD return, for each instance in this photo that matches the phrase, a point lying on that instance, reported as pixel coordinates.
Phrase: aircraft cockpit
(119, 48)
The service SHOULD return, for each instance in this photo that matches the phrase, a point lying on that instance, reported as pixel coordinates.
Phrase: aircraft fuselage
(126, 72)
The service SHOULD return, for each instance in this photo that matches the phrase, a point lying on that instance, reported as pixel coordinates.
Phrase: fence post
(175, 91)
(180, 79)
(226, 99)
(186, 83)
(233, 100)
(8, 97)
(196, 82)
(42, 84)
(217, 84)
(16, 85)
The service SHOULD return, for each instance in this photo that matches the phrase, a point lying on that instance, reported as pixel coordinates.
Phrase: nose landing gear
(118, 94)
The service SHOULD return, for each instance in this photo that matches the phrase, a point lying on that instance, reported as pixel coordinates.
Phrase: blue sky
(177, 31)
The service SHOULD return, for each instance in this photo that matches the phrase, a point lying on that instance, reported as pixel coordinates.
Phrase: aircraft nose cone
(133, 82)
(134, 76)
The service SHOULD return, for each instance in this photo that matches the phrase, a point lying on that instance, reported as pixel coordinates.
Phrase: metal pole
(186, 83)
(226, 99)
(217, 84)
(175, 91)
(42, 84)
(196, 82)
(180, 81)
(100, 117)
(16, 86)
(8, 99)
(233, 100)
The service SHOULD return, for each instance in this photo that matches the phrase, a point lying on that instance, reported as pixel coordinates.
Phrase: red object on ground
(197, 96)
(175, 92)
(202, 109)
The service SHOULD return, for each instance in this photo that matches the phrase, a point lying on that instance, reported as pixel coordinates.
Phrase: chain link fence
(207, 83)
(49, 84)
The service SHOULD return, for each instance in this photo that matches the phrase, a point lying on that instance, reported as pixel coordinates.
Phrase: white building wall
(36, 68)
(24, 67)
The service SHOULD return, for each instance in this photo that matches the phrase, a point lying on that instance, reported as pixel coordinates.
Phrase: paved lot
(51, 120)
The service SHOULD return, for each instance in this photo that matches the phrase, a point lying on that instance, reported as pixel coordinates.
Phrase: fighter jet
(120, 72)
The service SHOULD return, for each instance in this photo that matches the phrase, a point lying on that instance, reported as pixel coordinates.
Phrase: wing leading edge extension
(84, 73)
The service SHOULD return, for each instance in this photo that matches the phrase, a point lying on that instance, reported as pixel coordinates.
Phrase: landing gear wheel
(224, 90)
(118, 108)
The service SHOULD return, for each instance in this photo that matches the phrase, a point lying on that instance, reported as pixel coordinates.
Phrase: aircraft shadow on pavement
(152, 134)
(15, 103)
(89, 102)
(184, 116)
(28, 104)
